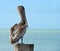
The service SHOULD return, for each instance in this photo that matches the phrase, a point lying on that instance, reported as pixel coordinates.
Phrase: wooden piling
(24, 47)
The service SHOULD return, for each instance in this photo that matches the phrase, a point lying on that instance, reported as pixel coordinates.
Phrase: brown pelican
(18, 30)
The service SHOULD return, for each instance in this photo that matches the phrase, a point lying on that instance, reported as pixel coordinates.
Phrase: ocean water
(43, 39)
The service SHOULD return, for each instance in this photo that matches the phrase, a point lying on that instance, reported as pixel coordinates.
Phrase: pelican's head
(21, 10)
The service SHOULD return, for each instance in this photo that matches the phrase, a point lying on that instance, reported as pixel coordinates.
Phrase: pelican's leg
(17, 42)
(22, 39)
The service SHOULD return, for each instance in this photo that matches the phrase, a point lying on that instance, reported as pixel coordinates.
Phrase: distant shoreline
(35, 30)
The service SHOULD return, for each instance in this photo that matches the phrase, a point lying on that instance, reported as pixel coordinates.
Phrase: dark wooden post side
(24, 47)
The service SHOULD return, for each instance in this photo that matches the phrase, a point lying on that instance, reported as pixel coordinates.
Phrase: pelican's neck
(23, 20)
(23, 16)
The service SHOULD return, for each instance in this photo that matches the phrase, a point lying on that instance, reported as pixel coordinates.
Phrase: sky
(40, 14)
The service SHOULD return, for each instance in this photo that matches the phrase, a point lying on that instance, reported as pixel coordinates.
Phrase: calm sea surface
(43, 39)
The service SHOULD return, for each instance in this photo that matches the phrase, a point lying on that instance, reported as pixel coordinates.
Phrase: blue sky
(43, 14)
